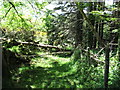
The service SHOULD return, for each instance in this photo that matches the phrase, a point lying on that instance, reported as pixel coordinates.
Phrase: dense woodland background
(73, 45)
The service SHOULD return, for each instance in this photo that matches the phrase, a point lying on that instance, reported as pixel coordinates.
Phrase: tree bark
(92, 20)
(106, 73)
(78, 37)
(6, 75)
(101, 6)
(119, 48)
(88, 56)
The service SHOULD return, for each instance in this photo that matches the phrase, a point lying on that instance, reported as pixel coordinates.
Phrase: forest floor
(46, 71)
(55, 71)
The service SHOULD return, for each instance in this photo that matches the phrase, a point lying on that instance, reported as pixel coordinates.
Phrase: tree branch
(15, 9)
(7, 12)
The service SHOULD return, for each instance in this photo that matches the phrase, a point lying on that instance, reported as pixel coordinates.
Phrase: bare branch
(7, 12)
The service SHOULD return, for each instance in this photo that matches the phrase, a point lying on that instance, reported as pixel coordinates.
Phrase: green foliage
(41, 5)
(15, 49)
(115, 30)
(76, 55)
(30, 21)
(57, 74)
(97, 13)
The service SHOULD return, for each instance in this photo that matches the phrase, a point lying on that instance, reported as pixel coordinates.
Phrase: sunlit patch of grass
(48, 60)
(46, 71)
(61, 60)
(41, 53)
(50, 71)
(42, 62)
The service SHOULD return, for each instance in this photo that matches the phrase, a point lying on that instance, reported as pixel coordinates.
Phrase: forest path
(45, 72)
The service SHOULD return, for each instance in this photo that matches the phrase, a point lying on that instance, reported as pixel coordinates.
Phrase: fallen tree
(15, 43)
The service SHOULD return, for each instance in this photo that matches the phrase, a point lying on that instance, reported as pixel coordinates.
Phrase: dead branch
(7, 12)
(92, 56)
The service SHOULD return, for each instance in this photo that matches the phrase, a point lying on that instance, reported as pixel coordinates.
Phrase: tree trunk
(95, 40)
(106, 73)
(6, 75)
(78, 37)
(100, 32)
(100, 29)
(96, 27)
(92, 20)
(89, 24)
(119, 48)
(88, 56)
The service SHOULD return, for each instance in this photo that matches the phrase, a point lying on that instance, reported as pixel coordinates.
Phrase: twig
(16, 10)
(7, 12)
(100, 51)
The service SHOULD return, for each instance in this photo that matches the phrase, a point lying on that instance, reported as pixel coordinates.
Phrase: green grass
(45, 71)
(50, 71)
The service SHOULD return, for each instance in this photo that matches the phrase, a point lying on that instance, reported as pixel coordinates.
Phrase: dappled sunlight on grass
(48, 60)
(50, 71)
(45, 71)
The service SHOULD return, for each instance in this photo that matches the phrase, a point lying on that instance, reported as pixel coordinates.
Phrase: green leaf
(115, 30)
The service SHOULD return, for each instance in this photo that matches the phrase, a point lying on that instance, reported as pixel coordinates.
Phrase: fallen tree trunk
(41, 45)
(92, 56)
(62, 52)
(15, 43)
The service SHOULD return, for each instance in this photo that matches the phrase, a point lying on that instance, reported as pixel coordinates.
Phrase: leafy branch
(13, 6)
